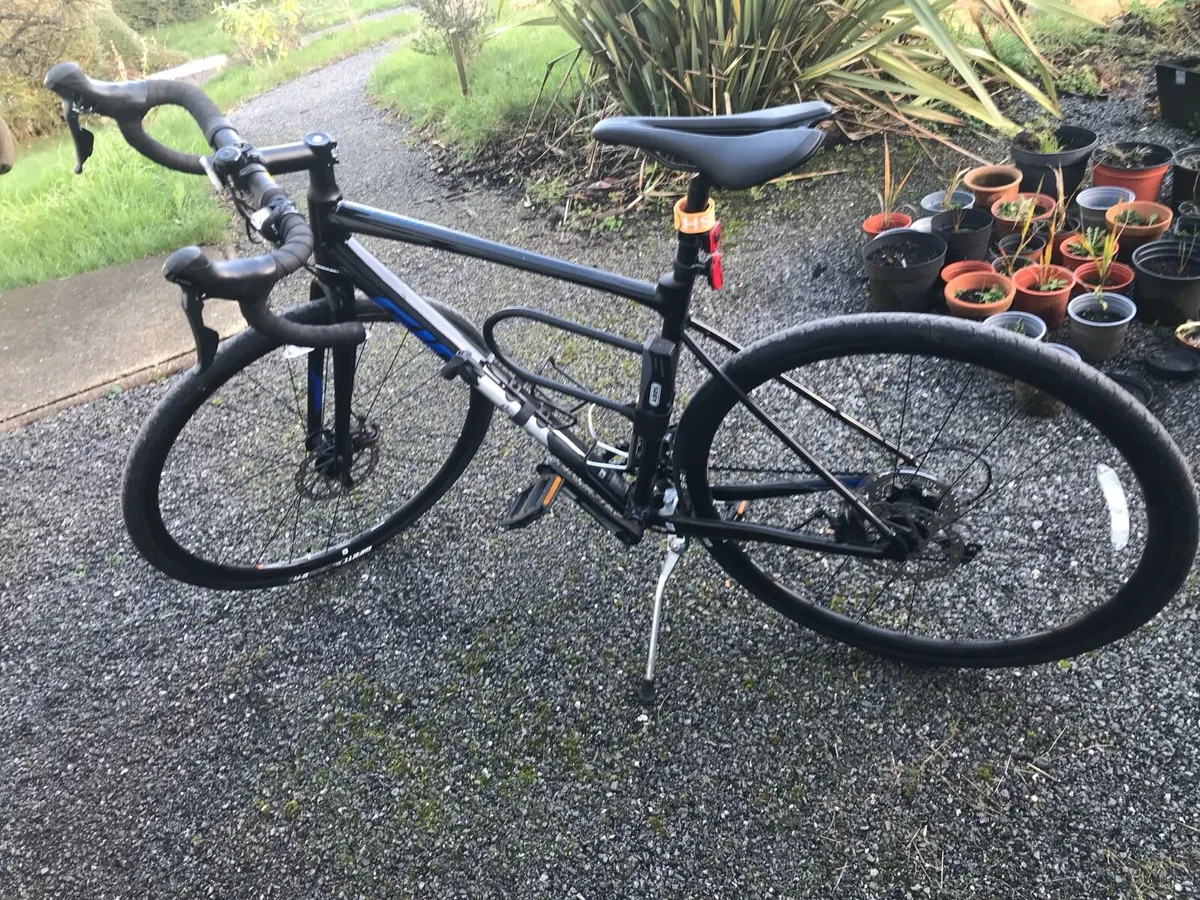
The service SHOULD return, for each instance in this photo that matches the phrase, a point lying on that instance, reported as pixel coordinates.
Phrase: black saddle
(735, 152)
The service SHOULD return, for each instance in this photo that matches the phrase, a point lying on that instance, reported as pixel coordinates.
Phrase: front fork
(344, 365)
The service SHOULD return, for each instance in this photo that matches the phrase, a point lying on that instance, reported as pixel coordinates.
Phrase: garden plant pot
(1038, 169)
(1168, 281)
(1033, 402)
(1059, 239)
(978, 281)
(879, 223)
(1188, 334)
(1051, 306)
(1190, 208)
(992, 183)
(932, 204)
(952, 270)
(972, 238)
(1043, 209)
(1133, 236)
(1069, 259)
(1144, 179)
(902, 268)
(1087, 278)
(1034, 245)
(1187, 227)
(1185, 177)
(1098, 324)
(1179, 90)
(1001, 264)
(1022, 323)
(1096, 201)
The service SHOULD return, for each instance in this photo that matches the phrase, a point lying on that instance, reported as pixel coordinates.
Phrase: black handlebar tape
(262, 320)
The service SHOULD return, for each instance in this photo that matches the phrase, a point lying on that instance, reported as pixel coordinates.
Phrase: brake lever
(206, 339)
(85, 141)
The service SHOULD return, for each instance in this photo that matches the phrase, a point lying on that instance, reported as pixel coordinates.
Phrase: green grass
(124, 207)
(504, 79)
(203, 37)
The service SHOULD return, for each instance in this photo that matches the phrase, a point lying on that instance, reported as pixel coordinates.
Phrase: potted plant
(1104, 273)
(1030, 246)
(1022, 323)
(977, 295)
(1185, 186)
(1046, 148)
(1098, 324)
(888, 218)
(1012, 213)
(1044, 288)
(1077, 249)
(967, 232)
(991, 183)
(1138, 223)
(1179, 90)
(952, 270)
(1135, 165)
(1035, 402)
(1187, 227)
(1168, 280)
(1096, 201)
(950, 199)
(902, 268)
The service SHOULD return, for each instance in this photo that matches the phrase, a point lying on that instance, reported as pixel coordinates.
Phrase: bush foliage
(701, 57)
(146, 14)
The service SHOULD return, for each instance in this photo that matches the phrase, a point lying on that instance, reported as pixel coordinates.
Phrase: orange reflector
(554, 486)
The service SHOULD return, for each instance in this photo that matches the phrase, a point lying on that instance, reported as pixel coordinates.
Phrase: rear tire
(1054, 530)
(187, 504)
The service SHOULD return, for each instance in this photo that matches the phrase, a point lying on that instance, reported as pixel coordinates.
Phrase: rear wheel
(225, 489)
(1047, 514)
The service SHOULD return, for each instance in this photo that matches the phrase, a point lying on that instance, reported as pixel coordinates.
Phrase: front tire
(222, 489)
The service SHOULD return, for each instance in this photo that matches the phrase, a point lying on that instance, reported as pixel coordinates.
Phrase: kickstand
(675, 548)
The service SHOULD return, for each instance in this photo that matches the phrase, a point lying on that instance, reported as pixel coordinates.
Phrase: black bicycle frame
(343, 264)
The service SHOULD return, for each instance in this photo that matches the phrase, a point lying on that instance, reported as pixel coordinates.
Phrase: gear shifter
(85, 141)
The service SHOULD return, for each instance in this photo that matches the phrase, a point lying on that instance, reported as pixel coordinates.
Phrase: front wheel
(1046, 513)
(226, 488)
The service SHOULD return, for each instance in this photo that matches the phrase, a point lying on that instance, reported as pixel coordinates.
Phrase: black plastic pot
(973, 238)
(1179, 89)
(1188, 227)
(1186, 181)
(1163, 297)
(1009, 245)
(904, 288)
(1037, 169)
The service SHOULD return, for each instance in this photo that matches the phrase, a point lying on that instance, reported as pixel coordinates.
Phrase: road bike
(914, 485)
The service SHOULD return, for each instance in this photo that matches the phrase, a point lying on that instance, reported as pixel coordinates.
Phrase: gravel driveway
(456, 715)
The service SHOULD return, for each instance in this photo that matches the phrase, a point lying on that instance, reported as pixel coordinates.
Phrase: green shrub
(146, 14)
(701, 57)
(467, 18)
(262, 29)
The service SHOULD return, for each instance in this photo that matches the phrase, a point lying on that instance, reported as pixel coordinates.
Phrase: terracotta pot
(1049, 306)
(955, 269)
(879, 223)
(1133, 236)
(1073, 261)
(1043, 209)
(973, 281)
(1087, 276)
(992, 183)
(1146, 181)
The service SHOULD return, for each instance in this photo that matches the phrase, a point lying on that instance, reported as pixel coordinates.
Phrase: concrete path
(68, 341)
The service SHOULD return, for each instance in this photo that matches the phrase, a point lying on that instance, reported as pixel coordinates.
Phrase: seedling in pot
(889, 196)
(1042, 136)
(1014, 327)
(993, 294)
(1104, 261)
(1135, 218)
(1090, 243)
(948, 200)
(1016, 210)
(1046, 279)
(1123, 157)
(1100, 313)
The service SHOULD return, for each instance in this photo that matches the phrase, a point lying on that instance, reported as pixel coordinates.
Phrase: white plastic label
(1118, 507)
(1180, 76)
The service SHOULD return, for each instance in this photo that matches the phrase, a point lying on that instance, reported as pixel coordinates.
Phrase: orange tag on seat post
(695, 223)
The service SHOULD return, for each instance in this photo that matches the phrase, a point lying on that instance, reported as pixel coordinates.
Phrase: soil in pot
(1135, 165)
(977, 295)
(1188, 268)
(1087, 276)
(1011, 213)
(904, 254)
(981, 296)
(902, 268)
(1100, 316)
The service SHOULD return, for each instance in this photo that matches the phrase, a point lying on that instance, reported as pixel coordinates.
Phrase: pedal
(532, 503)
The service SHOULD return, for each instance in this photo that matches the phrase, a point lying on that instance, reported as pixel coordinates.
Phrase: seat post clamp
(693, 222)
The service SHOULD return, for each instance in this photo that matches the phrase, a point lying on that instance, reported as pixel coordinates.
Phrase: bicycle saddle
(735, 151)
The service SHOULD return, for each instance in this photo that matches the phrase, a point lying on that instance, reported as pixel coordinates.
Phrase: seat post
(675, 287)
(697, 193)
